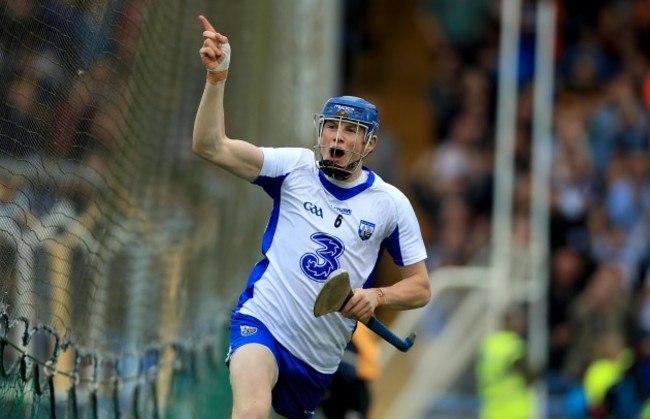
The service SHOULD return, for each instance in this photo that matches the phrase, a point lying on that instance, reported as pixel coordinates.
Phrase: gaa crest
(247, 330)
(366, 229)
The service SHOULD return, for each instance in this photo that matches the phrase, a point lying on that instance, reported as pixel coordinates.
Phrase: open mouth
(336, 153)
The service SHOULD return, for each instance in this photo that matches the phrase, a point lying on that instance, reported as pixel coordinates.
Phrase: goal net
(121, 253)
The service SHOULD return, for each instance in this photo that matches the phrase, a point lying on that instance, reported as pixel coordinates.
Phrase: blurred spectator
(94, 19)
(22, 129)
(627, 196)
(89, 119)
(611, 359)
(15, 16)
(502, 371)
(573, 188)
(642, 305)
(627, 213)
(619, 123)
(355, 40)
(629, 397)
(585, 66)
(602, 308)
(460, 23)
(13, 207)
(455, 90)
(570, 270)
(452, 184)
(457, 242)
(444, 91)
(458, 167)
(609, 246)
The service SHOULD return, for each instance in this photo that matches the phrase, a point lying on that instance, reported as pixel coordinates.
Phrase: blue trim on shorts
(300, 387)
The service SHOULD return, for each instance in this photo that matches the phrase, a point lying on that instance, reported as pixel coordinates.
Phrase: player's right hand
(215, 52)
(361, 306)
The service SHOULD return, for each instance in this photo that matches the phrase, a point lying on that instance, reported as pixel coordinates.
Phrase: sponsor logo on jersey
(318, 264)
(344, 211)
(247, 330)
(366, 228)
(313, 208)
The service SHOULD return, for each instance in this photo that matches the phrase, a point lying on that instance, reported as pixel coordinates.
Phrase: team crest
(247, 330)
(366, 229)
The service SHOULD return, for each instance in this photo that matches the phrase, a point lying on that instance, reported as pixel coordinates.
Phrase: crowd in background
(62, 73)
(599, 290)
(599, 285)
(63, 99)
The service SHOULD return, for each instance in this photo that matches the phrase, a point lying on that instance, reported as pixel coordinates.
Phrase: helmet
(348, 109)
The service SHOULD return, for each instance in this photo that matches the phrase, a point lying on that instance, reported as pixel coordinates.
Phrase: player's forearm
(209, 127)
(411, 292)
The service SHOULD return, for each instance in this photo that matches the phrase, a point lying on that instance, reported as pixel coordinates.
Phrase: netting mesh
(121, 253)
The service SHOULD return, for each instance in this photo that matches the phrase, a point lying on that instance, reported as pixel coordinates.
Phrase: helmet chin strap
(337, 172)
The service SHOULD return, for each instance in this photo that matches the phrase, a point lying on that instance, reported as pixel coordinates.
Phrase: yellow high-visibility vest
(503, 389)
(602, 374)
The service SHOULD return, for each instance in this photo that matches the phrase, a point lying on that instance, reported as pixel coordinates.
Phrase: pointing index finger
(208, 27)
(206, 23)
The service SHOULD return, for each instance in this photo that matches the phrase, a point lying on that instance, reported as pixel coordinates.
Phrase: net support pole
(504, 161)
(541, 159)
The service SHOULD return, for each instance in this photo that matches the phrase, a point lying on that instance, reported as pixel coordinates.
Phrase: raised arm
(209, 139)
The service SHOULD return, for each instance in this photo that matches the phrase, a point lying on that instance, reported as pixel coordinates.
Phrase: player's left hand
(362, 305)
(215, 51)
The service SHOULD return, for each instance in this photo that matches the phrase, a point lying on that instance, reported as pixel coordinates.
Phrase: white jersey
(316, 227)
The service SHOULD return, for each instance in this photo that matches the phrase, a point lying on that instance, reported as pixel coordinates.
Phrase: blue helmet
(353, 109)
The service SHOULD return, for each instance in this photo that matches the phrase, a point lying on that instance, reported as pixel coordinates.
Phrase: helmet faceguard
(351, 110)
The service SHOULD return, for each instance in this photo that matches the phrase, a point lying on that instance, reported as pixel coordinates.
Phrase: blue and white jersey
(316, 227)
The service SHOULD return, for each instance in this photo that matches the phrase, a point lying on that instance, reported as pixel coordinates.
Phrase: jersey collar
(346, 193)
